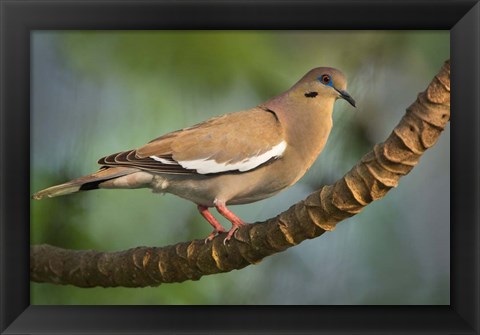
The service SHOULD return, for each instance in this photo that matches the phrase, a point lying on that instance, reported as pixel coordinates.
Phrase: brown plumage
(235, 158)
(212, 139)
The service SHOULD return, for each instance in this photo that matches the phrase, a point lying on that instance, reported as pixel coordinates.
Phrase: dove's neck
(308, 122)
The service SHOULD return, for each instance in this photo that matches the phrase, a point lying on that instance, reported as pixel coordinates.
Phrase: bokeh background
(94, 93)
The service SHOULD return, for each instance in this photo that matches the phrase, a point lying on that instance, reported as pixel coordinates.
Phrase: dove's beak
(346, 96)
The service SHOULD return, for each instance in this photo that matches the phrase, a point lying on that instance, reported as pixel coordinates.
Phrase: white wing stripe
(206, 165)
(163, 160)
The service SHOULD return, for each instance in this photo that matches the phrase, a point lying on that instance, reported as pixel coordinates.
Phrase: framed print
(84, 80)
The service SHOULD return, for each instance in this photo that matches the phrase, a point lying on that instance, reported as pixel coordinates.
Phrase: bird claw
(231, 232)
(214, 233)
(226, 240)
(217, 227)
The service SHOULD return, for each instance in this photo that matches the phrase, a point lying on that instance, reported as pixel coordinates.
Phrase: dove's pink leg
(217, 227)
(235, 220)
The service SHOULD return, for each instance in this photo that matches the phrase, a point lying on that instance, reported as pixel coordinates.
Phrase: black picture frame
(19, 18)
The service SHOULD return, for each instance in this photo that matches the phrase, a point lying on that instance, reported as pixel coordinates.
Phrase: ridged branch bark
(369, 180)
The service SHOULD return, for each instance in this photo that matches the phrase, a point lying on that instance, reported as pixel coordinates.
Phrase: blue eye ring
(325, 80)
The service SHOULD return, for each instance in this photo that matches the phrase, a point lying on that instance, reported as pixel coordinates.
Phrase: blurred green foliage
(99, 92)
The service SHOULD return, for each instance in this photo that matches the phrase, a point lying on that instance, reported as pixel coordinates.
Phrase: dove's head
(324, 82)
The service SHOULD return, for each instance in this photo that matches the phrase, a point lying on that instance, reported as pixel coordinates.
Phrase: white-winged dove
(236, 158)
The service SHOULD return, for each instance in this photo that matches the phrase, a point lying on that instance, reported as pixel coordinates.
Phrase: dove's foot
(217, 227)
(235, 220)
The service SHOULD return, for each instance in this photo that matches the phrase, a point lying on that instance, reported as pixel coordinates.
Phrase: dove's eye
(325, 79)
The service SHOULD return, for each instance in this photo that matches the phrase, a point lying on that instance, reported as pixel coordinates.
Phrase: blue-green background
(95, 93)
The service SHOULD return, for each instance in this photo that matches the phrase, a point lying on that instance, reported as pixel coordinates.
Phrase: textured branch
(369, 180)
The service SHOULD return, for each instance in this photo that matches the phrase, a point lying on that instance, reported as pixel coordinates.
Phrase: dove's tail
(85, 183)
